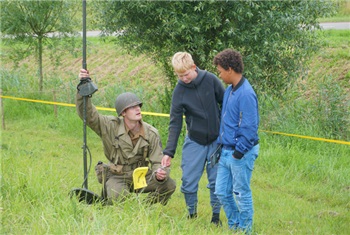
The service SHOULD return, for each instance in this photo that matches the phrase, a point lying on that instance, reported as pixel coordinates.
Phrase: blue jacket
(240, 118)
(200, 101)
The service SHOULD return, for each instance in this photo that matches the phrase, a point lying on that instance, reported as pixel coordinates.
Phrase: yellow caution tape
(37, 101)
(308, 137)
(167, 115)
(73, 105)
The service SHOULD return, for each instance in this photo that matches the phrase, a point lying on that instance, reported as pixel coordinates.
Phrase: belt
(131, 167)
(232, 147)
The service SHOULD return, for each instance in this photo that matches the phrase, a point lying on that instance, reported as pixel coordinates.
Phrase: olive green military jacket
(117, 144)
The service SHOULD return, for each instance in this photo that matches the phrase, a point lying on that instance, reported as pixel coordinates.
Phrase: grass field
(300, 186)
(343, 13)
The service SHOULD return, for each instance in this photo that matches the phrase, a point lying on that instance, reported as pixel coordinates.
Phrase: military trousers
(121, 186)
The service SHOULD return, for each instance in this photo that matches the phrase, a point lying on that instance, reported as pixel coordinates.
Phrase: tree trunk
(40, 62)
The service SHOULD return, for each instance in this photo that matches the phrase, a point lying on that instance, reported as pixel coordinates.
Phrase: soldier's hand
(161, 174)
(166, 161)
(83, 74)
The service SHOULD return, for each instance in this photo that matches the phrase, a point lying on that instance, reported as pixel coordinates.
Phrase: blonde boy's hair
(182, 61)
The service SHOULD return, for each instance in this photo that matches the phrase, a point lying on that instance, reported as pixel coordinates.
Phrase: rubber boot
(215, 219)
(191, 203)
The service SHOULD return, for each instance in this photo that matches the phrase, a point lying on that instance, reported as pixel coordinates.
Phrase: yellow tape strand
(308, 137)
(167, 115)
(37, 101)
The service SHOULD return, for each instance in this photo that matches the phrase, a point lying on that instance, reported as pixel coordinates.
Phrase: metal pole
(84, 98)
(83, 193)
(84, 35)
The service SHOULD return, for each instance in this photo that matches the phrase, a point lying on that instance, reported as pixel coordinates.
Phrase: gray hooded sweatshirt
(200, 101)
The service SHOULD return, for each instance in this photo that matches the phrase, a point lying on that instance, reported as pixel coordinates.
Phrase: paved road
(336, 25)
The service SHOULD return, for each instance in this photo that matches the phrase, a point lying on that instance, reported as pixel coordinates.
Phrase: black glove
(86, 87)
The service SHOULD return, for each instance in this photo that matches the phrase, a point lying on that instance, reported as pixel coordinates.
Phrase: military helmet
(126, 100)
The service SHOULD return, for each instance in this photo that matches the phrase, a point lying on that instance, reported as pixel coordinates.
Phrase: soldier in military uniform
(128, 143)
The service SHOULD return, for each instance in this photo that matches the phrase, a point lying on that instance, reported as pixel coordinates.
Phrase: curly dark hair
(229, 58)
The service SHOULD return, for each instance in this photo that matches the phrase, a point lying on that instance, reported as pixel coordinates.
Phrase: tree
(33, 22)
(274, 37)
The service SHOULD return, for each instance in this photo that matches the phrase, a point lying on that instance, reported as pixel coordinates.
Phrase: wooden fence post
(2, 112)
(54, 106)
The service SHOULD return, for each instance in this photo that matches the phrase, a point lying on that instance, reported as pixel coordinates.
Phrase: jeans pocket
(236, 158)
(251, 161)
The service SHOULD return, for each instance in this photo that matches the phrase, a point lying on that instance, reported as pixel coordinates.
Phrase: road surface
(336, 25)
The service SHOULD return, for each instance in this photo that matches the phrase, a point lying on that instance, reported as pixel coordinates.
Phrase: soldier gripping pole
(86, 88)
(84, 99)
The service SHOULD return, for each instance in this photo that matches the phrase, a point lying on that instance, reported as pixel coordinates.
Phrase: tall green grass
(342, 15)
(300, 186)
(318, 103)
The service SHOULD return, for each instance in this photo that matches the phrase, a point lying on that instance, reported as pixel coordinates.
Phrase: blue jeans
(233, 188)
(195, 158)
